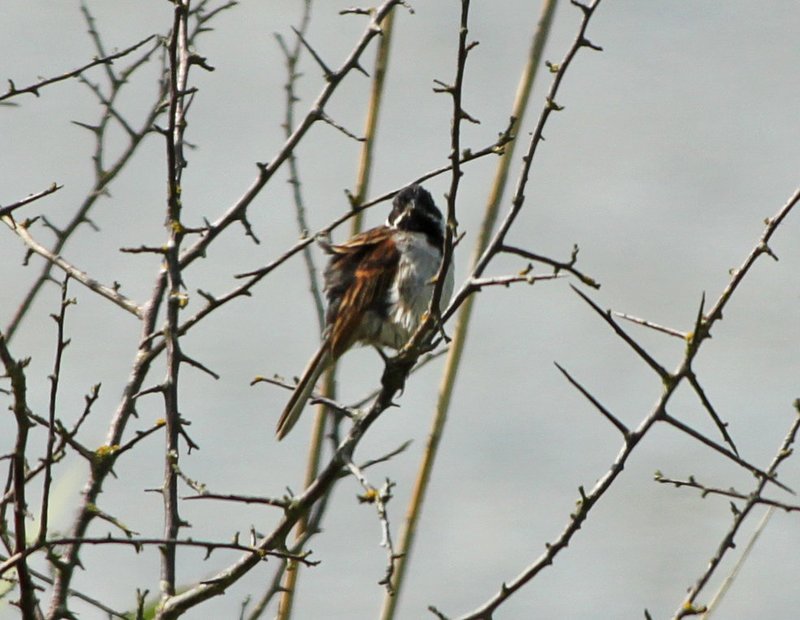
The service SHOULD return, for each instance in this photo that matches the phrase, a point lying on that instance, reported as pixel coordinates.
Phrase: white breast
(411, 295)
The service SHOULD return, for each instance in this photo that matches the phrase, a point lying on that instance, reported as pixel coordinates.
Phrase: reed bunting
(378, 286)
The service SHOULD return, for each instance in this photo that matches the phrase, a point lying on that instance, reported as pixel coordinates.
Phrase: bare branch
(724, 451)
(557, 265)
(110, 293)
(659, 328)
(527, 278)
(13, 91)
(7, 210)
(380, 499)
(731, 493)
(61, 344)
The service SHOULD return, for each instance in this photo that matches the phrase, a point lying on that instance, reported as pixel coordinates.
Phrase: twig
(314, 398)
(140, 435)
(691, 482)
(692, 378)
(110, 293)
(139, 543)
(105, 60)
(8, 209)
(379, 498)
(660, 328)
(389, 455)
(527, 278)
(558, 266)
(244, 499)
(61, 344)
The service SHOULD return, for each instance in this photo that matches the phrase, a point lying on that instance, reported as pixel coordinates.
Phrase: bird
(378, 286)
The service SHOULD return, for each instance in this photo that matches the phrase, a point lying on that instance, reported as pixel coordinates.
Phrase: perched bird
(378, 286)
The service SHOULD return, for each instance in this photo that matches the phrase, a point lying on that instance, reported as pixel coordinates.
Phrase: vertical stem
(371, 123)
(462, 323)
(51, 432)
(179, 66)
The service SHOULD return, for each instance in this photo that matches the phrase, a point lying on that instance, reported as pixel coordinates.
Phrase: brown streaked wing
(373, 260)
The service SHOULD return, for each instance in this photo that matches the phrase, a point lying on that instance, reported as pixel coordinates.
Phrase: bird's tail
(302, 392)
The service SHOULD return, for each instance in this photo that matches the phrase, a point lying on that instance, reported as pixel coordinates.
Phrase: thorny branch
(61, 344)
(104, 60)
(705, 491)
(587, 500)
(688, 607)
(179, 61)
(138, 543)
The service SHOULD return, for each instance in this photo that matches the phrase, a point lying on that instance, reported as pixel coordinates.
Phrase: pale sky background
(675, 143)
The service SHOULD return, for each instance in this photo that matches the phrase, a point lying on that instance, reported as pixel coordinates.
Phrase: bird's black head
(413, 210)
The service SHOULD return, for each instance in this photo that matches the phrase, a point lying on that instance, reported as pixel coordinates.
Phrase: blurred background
(674, 144)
